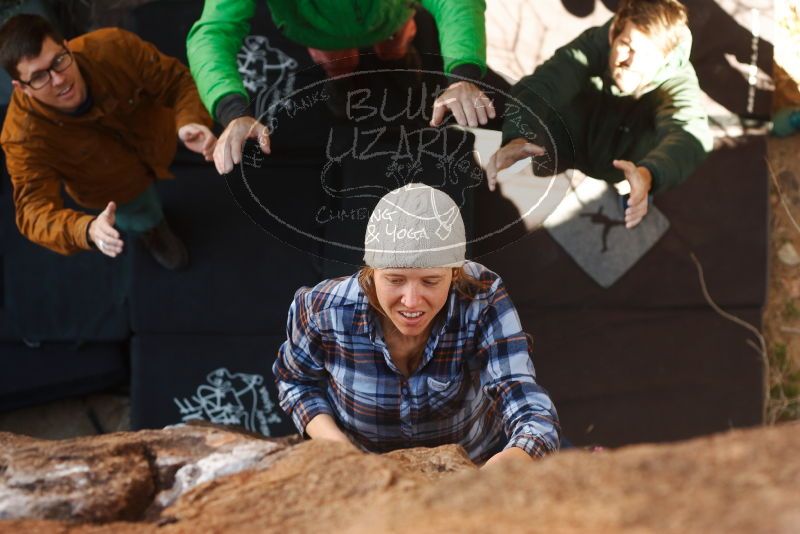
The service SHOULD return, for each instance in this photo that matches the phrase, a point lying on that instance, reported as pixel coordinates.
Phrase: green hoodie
(591, 123)
(215, 39)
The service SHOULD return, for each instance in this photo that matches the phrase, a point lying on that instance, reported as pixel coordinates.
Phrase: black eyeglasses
(41, 78)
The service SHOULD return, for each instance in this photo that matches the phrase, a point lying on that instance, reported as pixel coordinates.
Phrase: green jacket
(582, 111)
(215, 39)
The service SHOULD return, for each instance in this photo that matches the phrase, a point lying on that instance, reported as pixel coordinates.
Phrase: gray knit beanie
(415, 226)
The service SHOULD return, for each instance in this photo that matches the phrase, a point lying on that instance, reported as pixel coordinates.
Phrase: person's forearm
(465, 71)
(673, 160)
(212, 45)
(511, 454)
(323, 426)
(64, 231)
(683, 136)
(462, 32)
(230, 107)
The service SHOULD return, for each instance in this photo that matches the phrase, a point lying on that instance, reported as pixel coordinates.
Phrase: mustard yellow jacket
(114, 152)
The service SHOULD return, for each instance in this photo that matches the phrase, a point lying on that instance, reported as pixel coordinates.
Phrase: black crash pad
(720, 213)
(50, 297)
(50, 371)
(626, 376)
(240, 279)
(223, 379)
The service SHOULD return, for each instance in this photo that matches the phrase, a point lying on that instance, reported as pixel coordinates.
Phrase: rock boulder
(742, 481)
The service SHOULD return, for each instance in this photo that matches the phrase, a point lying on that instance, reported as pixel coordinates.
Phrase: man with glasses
(98, 114)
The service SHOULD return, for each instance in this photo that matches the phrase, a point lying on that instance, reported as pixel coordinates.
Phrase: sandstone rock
(741, 481)
(76, 479)
(119, 476)
(308, 489)
(788, 255)
(432, 463)
(227, 461)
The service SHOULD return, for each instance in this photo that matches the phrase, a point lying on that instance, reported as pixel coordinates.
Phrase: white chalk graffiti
(267, 73)
(231, 399)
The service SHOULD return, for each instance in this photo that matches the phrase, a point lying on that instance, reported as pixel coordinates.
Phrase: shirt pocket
(446, 396)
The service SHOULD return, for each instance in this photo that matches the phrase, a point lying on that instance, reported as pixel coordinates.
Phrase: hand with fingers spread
(198, 138)
(640, 180)
(228, 151)
(468, 104)
(508, 155)
(103, 234)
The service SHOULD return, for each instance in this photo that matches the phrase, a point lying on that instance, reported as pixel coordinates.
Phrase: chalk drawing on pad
(268, 74)
(231, 399)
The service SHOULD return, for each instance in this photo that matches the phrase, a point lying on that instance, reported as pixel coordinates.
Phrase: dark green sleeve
(462, 31)
(555, 82)
(683, 136)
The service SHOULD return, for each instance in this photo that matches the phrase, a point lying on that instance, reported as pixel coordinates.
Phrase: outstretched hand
(468, 104)
(198, 138)
(508, 155)
(228, 151)
(103, 234)
(640, 181)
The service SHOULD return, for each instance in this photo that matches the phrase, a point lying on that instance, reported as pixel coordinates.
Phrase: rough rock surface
(740, 481)
(126, 476)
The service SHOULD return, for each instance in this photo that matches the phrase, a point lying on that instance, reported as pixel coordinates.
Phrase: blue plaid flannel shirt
(475, 386)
